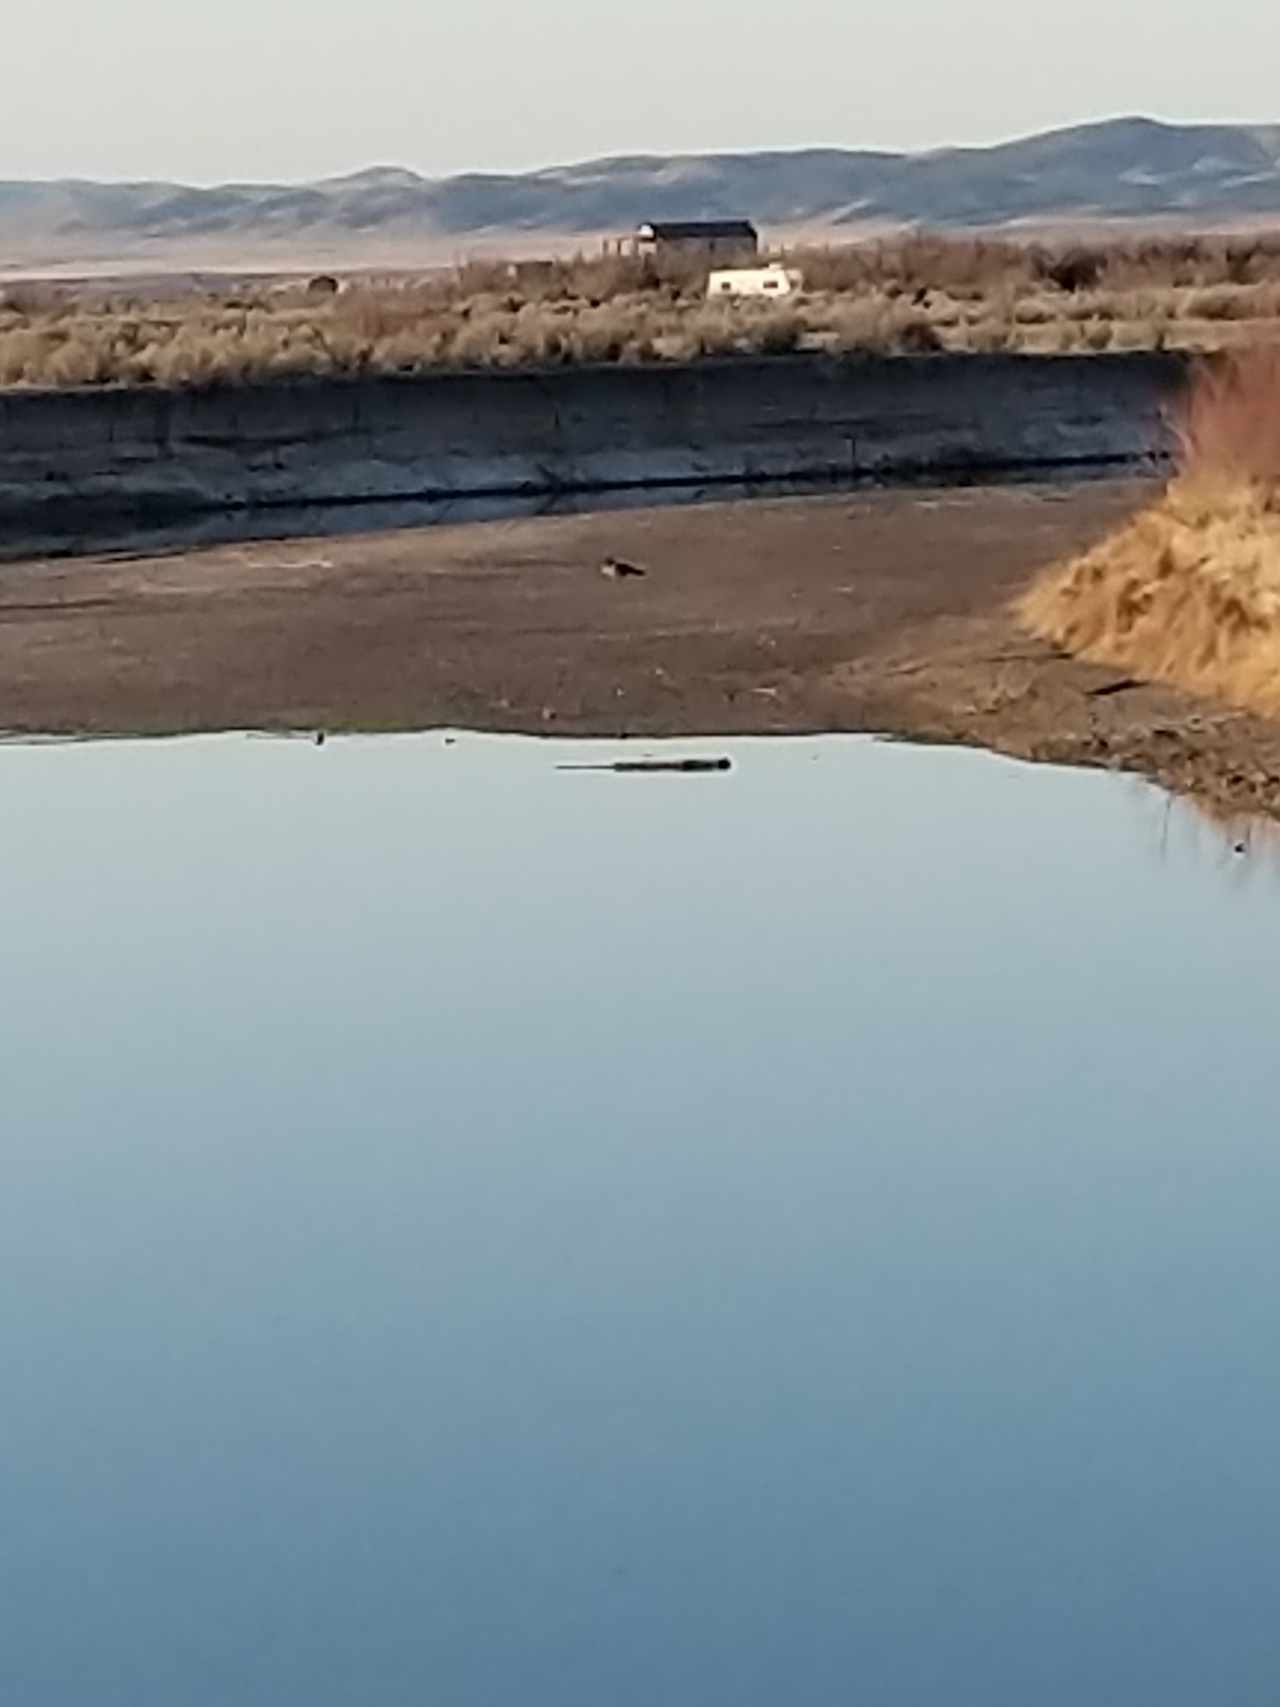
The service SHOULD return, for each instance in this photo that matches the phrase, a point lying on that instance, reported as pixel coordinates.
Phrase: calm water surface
(481, 1236)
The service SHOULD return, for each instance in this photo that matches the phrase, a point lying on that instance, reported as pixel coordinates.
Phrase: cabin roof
(675, 230)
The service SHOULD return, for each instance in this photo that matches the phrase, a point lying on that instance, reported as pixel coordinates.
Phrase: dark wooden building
(709, 239)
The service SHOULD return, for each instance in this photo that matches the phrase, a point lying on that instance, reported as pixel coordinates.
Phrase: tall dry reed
(1188, 592)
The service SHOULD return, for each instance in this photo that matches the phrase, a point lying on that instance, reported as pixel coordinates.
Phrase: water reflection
(1208, 830)
(476, 1235)
(75, 533)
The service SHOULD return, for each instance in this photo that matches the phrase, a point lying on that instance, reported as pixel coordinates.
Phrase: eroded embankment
(147, 451)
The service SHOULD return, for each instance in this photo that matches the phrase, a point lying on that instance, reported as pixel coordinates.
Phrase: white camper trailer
(773, 280)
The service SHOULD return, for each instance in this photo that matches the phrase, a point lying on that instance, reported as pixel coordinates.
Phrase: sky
(299, 89)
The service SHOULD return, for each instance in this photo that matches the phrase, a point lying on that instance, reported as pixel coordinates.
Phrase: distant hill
(1120, 170)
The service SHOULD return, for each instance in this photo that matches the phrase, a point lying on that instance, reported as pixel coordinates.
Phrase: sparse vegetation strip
(916, 296)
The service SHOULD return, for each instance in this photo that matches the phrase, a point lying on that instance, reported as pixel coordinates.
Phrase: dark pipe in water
(646, 767)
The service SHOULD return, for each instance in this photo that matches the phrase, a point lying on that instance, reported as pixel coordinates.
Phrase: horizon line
(425, 177)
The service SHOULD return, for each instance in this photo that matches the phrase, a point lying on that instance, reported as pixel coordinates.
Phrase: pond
(478, 1233)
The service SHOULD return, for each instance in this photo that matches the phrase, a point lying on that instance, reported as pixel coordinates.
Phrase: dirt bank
(145, 451)
(884, 612)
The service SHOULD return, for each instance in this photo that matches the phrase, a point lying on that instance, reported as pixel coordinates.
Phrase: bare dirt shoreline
(885, 612)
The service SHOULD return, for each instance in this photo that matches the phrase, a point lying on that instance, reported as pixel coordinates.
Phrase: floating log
(647, 767)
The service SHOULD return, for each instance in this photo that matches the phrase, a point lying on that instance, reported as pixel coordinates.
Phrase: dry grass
(200, 342)
(1189, 592)
(908, 296)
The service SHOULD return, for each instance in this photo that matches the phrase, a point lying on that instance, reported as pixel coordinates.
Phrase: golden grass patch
(1188, 592)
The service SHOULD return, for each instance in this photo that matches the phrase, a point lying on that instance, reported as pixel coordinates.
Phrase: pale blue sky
(302, 88)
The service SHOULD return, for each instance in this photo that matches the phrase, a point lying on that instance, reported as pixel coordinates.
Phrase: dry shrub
(1073, 269)
(34, 301)
(875, 325)
(541, 338)
(373, 314)
(778, 331)
(988, 337)
(1229, 428)
(1087, 306)
(80, 360)
(1185, 594)
(482, 278)
(600, 334)
(1224, 302)
(861, 324)
(25, 357)
(482, 340)
(967, 268)
(710, 331)
(1036, 311)
(945, 312)
(913, 294)
(1188, 592)
(1191, 262)
(1155, 334)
